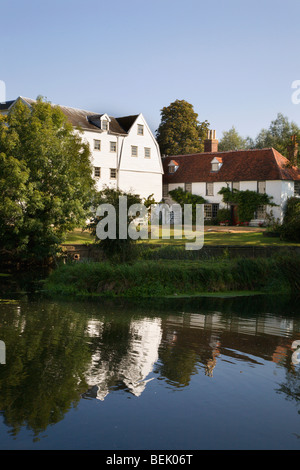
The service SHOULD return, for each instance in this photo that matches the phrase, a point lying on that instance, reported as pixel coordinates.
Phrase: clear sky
(233, 60)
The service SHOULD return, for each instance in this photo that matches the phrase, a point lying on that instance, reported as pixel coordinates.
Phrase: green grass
(161, 278)
(210, 238)
(78, 237)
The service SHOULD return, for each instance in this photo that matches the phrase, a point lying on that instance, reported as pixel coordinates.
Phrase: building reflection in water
(134, 367)
(176, 346)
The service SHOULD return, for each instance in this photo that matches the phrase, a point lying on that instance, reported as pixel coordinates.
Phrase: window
(211, 211)
(261, 187)
(97, 172)
(236, 185)
(172, 169)
(209, 189)
(104, 125)
(134, 151)
(113, 173)
(215, 166)
(147, 152)
(297, 188)
(140, 129)
(97, 144)
(113, 146)
(261, 212)
(188, 187)
(165, 190)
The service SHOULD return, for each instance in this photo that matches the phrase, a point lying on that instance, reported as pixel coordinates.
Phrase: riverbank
(168, 278)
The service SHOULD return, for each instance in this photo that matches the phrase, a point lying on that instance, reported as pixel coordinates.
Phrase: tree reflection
(45, 364)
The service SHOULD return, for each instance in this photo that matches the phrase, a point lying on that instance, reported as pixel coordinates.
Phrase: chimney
(293, 151)
(211, 143)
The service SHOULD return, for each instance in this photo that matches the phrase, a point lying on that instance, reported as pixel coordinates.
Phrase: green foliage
(160, 278)
(247, 201)
(45, 178)
(180, 132)
(231, 140)
(182, 197)
(278, 135)
(224, 215)
(118, 249)
(290, 229)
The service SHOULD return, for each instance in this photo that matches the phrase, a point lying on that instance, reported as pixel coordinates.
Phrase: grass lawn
(210, 238)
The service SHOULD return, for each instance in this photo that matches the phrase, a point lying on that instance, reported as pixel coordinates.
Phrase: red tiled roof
(240, 165)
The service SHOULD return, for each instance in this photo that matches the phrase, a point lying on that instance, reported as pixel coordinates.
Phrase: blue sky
(233, 60)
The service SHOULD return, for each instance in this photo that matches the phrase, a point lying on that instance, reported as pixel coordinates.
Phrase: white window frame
(111, 173)
(209, 189)
(140, 129)
(188, 187)
(261, 187)
(96, 142)
(296, 188)
(261, 212)
(210, 211)
(113, 146)
(104, 124)
(134, 151)
(147, 150)
(97, 169)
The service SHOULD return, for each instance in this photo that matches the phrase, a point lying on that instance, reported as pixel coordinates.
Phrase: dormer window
(173, 166)
(104, 122)
(216, 164)
(104, 125)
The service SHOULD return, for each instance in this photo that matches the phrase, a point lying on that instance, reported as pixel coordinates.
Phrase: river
(205, 373)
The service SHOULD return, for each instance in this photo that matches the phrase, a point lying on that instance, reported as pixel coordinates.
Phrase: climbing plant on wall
(247, 201)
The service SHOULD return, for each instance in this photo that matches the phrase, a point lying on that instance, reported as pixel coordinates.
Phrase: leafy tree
(278, 135)
(117, 249)
(180, 132)
(231, 140)
(182, 197)
(45, 180)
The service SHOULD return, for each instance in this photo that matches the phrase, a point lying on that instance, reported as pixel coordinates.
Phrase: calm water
(202, 374)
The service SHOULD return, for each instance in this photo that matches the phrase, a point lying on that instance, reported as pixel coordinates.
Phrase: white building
(125, 154)
(204, 174)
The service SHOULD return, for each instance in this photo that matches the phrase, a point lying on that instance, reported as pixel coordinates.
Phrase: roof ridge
(217, 153)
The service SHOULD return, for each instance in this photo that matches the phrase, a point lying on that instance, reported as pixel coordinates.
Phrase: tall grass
(164, 278)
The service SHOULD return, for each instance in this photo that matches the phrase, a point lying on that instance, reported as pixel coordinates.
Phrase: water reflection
(61, 352)
(113, 362)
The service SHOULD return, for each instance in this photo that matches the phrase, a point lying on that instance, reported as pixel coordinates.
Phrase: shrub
(224, 215)
(290, 229)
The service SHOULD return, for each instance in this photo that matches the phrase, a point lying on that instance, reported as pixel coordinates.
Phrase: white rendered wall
(139, 174)
(143, 184)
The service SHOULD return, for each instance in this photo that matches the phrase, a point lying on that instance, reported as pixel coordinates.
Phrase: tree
(182, 197)
(120, 248)
(45, 180)
(279, 135)
(180, 132)
(231, 140)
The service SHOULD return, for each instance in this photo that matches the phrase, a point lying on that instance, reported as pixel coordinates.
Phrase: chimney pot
(211, 143)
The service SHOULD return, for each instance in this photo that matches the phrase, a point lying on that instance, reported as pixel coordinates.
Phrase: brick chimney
(211, 143)
(293, 151)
